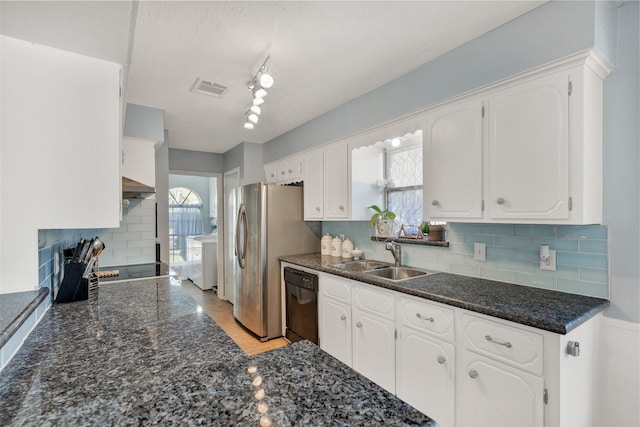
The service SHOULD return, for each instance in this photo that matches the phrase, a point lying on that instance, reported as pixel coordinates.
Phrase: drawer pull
(343, 317)
(506, 344)
(441, 360)
(359, 325)
(428, 319)
(473, 374)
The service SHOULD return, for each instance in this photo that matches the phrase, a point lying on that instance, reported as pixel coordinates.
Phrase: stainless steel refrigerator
(270, 224)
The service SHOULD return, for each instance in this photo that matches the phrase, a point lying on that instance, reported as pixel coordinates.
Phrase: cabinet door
(336, 184)
(334, 328)
(271, 172)
(374, 348)
(314, 185)
(374, 334)
(528, 150)
(453, 162)
(495, 395)
(294, 169)
(425, 375)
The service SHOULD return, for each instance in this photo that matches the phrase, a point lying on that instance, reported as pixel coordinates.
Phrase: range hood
(135, 190)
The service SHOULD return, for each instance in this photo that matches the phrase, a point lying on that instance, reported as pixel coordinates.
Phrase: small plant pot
(384, 227)
(436, 233)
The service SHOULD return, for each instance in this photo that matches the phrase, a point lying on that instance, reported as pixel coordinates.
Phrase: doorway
(194, 199)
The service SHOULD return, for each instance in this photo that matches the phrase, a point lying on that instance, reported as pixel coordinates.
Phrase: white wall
(618, 379)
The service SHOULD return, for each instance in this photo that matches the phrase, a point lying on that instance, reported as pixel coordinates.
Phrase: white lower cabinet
(461, 368)
(425, 374)
(496, 395)
(425, 365)
(334, 317)
(336, 324)
(374, 335)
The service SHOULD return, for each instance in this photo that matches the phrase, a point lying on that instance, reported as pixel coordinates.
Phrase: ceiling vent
(208, 88)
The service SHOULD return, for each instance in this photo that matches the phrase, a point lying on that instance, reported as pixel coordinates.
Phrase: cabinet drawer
(516, 347)
(426, 317)
(374, 300)
(335, 288)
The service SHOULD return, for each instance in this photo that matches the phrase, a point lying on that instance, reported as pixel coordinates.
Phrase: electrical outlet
(550, 264)
(479, 252)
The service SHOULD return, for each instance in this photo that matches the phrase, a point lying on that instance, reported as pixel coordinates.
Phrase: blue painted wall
(549, 32)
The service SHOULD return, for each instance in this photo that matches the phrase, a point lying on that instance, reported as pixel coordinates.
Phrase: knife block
(74, 287)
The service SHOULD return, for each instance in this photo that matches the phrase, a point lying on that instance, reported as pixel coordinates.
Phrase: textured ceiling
(323, 54)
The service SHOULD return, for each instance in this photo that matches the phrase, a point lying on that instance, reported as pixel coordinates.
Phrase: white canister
(325, 244)
(336, 247)
(347, 247)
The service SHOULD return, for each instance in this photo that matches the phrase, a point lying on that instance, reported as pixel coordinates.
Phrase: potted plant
(382, 221)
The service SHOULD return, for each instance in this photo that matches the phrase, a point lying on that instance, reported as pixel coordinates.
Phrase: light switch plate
(549, 265)
(479, 252)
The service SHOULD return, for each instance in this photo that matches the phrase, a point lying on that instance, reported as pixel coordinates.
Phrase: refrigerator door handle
(241, 245)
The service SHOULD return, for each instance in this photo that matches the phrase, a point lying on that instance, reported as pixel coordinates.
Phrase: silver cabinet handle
(341, 207)
(359, 325)
(282, 173)
(441, 360)
(428, 319)
(434, 203)
(317, 208)
(473, 374)
(506, 344)
(290, 170)
(500, 201)
(343, 317)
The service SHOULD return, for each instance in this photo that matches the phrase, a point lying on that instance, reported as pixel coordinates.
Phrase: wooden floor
(222, 313)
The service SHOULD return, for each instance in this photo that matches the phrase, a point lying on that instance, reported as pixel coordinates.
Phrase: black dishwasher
(301, 305)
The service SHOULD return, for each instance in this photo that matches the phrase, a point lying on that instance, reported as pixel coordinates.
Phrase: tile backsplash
(512, 253)
(132, 243)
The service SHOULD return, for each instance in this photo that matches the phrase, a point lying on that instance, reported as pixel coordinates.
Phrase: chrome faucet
(396, 251)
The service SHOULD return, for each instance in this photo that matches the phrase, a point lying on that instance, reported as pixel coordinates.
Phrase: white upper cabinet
(285, 171)
(325, 183)
(61, 135)
(336, 188)
(313, 165)
(528, 150)
(271, 172)
(289, 170)
(533, 157)
(453, 162)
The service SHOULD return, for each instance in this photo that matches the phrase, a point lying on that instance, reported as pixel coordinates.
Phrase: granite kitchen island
(142, 353)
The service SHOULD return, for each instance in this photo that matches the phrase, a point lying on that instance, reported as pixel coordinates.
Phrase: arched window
(185, 219)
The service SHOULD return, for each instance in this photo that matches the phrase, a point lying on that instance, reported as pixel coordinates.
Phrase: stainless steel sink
(361, 265)
(399, 273)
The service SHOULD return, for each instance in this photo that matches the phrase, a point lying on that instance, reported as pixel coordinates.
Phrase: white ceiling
(323, 53)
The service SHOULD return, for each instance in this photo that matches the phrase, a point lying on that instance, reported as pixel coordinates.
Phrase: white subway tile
(141, 227)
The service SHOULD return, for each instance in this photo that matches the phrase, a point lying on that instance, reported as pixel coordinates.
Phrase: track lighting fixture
(261, 81)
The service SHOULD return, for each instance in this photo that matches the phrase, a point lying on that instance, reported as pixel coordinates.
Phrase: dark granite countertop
(15, 308)
(141, 353)
(553, 311)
